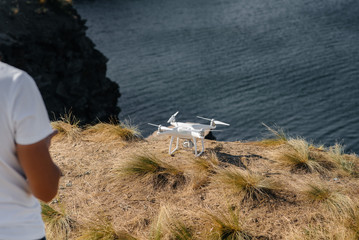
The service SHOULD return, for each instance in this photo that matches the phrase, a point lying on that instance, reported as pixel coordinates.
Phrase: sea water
(290, 63)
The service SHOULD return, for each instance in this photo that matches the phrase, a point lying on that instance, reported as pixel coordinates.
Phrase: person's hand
(48, 138)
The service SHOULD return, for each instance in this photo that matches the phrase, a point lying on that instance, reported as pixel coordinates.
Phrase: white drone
(188, 131)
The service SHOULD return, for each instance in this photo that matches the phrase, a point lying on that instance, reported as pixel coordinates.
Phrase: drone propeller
(160, 127)
(215, 121)
(173, 117)
(155, 125)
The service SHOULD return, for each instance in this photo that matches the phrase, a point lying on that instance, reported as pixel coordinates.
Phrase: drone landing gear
(169, 151)
(189, 144)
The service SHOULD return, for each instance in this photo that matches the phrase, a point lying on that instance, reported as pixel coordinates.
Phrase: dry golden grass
(336, 154)
(251, 185)
(352, 222)
(336, 231)
(277, 133)
(149, 179)
(277, 136)
(58, 223)
(68, 127)
(102, 229)
(334, 201)
(207, 165)
(149, 166)
(227, 225)
(299, 155)
(113, 131)
(166, 226)
(202, 168)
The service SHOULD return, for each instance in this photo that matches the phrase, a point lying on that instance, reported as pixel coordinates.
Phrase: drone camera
(188, 144)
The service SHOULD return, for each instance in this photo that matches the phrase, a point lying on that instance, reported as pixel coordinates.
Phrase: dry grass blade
(227, 226)
(254, 186)
(277, 136)
(336, 202)
(58, 224)
(299, 156)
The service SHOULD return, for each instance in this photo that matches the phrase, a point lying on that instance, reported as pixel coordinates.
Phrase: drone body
(190, 132)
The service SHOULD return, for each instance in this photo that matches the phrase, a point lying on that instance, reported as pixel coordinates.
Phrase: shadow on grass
(241, 161)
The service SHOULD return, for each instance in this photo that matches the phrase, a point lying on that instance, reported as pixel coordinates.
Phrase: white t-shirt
(23, 120)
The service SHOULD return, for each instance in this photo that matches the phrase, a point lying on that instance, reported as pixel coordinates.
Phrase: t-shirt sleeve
(28, 112)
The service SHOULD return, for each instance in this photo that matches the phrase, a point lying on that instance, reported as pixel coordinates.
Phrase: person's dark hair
(1, 56)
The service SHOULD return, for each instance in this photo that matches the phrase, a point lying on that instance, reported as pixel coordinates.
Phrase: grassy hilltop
(119, 186)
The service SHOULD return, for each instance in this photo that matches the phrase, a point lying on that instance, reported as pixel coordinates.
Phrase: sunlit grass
(202, 168)
(149, 166)
(253, 186)
(58, 223)
(336, 154)
(208, 164)
(114, 130)
(167, 226)
(144, 164)
(299, 156)
(318, 232)
(352, 222)
(335, 201)
(277, 136)
(68, 125)
(102, 229)
(228, 225)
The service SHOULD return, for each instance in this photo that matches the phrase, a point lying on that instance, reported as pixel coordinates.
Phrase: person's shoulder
(12, 74)
(8, 70)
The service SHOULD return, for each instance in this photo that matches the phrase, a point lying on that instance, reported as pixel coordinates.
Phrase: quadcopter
(190, 132)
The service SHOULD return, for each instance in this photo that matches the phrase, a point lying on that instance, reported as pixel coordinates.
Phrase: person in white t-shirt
(27, 172)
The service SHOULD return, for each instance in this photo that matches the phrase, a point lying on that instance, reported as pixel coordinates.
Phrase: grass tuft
(148, 165)
(168, 227)
(203, 168)
(227, 226)
(114, 130)
(58, 224)
(336, 154)
(300, 156)
(277, 136)
(102, 229)
(253, 186)
(335, 201)
(208, 164)
(68, 126)
(319, 232)
(352, 222)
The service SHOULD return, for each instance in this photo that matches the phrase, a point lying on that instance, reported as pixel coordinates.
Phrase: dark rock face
(49, 42)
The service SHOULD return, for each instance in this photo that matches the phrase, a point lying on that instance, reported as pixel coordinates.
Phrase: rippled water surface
(293, 63)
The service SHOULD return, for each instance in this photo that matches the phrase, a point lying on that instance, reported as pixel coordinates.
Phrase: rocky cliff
(48, 40)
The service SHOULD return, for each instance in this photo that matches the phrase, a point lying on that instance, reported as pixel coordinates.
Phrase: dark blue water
(293, 63)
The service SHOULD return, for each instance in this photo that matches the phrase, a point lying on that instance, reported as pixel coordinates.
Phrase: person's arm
(42, 173)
